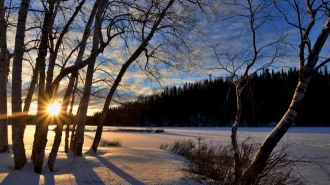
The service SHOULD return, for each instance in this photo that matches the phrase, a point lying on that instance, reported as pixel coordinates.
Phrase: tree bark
(40, 138)
(66, 99)
(251, 176)
(18, 126)
(3, 81)
(234, 143)
(70, 120)
(83, 105)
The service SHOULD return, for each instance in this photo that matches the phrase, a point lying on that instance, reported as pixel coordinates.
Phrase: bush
(159, 130)
(211, 164)
(106, 143)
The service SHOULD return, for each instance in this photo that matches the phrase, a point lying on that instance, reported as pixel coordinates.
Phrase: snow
(140, 161)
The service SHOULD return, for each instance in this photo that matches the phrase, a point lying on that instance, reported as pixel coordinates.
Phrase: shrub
(159, 130)
(213, 164)
(106, 143)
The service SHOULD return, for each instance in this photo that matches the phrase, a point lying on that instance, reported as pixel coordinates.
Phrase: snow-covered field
(140, 161)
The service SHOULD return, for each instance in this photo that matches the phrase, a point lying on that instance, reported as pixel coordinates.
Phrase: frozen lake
(125, 167)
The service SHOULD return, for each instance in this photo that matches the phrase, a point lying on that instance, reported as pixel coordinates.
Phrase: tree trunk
(69, 121)
(252, 175)
(122, 71)
(18, 126)
(81, 119)
(73, 132)
(83, 105)
(306, 71)
(66, 99)
(72, 120)
(40, 138)
(234, 131)
(3, 81)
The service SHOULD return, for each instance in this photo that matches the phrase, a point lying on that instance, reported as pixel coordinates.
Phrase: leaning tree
(306, 18)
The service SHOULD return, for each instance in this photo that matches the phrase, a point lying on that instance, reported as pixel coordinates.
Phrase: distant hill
(212, 102)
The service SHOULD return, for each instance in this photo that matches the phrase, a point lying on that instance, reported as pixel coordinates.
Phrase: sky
(225, 39)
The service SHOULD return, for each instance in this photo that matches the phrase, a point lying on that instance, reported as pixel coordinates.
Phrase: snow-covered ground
(140, 161)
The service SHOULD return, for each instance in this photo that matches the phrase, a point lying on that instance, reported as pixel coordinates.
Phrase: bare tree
(310, 59)
(164, 20)
(40, 137)
(47, 86)
(66, 99)
(244, 51)
(113, 30)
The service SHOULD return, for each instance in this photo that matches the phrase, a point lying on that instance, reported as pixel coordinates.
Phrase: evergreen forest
(212, 102)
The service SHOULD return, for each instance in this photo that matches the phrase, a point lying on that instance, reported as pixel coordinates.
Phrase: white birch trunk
(234, 143)
(18, 126)
(251, 176)
(84, 101)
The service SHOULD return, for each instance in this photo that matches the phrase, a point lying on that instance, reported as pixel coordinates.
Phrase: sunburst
(53, 109)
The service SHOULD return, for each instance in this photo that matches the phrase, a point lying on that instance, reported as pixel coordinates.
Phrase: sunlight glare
(54, 109)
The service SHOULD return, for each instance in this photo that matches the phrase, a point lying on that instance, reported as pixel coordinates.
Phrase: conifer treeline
(212, 102)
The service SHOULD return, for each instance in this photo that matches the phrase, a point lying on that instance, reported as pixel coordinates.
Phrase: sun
(53, 109)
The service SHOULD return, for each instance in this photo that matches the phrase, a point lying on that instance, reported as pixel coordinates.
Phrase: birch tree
(112, 31)
(40, 138)
(311, 57)
(69, 92)
(47, 86)
(18, 125)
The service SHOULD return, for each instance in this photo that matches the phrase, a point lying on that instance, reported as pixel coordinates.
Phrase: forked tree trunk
(122, 71)
(18, 126)
(3, 81)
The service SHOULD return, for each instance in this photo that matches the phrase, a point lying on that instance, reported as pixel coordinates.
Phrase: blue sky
(230, 35)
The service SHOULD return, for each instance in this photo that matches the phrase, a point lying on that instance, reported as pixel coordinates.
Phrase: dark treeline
(212, 102)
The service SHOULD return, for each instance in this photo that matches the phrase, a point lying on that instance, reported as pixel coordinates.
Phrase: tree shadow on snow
(26, 175)
(78, 169)
(128, 178)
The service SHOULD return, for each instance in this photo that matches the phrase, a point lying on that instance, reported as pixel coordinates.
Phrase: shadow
(24, 176)
(78, 169)
(128, 178)
(89, 137)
